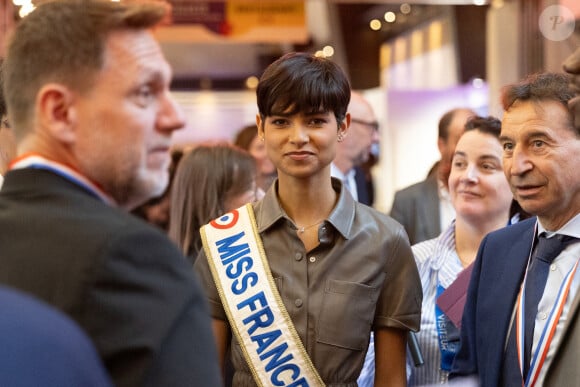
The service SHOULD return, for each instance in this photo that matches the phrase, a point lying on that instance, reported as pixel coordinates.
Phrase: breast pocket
(346, 314)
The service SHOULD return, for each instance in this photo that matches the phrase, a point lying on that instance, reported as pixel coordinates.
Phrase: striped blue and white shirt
(438, 264)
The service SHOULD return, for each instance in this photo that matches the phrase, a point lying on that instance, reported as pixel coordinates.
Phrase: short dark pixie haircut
(541, 87)
(488, 125)
(301, 82)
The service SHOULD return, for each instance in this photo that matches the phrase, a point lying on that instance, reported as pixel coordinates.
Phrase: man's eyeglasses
(370, 124)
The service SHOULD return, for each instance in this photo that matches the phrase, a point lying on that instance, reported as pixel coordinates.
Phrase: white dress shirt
(558, 270)
(347, 179)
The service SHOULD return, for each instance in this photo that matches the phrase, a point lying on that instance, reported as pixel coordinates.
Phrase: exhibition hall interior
(412, 60)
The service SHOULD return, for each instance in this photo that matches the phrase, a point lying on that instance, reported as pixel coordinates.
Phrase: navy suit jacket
(364, 187)
(39, 346)
(495, 283)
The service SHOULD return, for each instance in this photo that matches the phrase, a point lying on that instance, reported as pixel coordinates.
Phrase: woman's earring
(340, 137)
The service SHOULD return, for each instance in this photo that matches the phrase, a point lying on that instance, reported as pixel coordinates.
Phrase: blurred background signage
(266, 21)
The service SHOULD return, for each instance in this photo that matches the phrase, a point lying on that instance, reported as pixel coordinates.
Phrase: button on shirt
(330, 292)
(558, 270)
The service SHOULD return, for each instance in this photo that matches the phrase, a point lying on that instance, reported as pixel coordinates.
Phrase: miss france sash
(259, 320)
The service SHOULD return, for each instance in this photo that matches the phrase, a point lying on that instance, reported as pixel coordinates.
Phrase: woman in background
(210, 180)
(483, 203)
(247, 138)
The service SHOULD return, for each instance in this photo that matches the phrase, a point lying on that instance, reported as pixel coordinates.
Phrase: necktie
(547, 249)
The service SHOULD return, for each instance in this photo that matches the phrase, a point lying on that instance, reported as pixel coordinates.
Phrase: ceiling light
(405, 8)
(26, 9)
(328, 51)
(477, 83)
(390, 17)
(252, 82)
(375, 24)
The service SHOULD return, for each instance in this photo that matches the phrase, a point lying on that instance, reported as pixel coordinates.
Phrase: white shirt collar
(572, 228)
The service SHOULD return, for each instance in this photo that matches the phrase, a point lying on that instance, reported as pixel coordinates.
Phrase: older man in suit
(424, 208)
(520, 292)
(94, 118)
(564, 367)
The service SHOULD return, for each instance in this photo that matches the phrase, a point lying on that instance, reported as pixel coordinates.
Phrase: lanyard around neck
(35, 161)
(539, 355)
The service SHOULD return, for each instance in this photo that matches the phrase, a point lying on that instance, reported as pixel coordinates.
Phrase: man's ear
(57, 112)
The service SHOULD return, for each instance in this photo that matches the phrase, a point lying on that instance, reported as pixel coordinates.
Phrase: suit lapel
(361, 187)
(506, 271)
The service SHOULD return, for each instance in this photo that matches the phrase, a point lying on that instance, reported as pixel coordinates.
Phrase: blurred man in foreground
(87, 91)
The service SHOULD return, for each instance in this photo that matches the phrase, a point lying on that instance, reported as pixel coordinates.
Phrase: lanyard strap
(448, 335)
(35, 161)
(257, 315)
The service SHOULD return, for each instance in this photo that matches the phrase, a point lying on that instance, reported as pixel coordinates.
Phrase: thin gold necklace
(304, 228)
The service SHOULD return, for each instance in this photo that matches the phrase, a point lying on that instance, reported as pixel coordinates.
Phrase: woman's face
(478, 187)
(258, 151)
(300, 145)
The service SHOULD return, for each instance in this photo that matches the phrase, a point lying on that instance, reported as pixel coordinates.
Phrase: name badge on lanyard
(448, 335)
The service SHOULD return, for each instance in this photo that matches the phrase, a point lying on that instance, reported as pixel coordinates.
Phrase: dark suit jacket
(495, 282)
(564, 369)
(417, 209)
(120, 279)
(364, 187)
(40, 346)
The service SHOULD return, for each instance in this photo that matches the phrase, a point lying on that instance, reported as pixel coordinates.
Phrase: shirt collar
(444, 247)
(269, 211)
(572, 228)
(336, 172)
